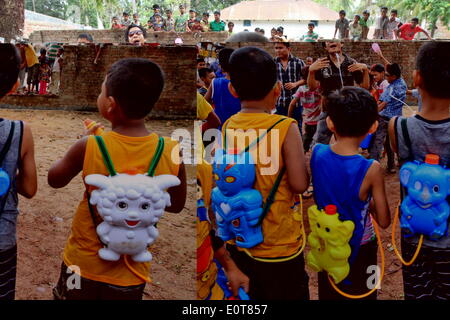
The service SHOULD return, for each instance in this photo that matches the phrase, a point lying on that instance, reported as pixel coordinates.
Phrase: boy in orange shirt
(129, 92)
(275, 266)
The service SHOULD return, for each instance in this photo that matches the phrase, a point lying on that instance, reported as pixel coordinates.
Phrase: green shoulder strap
(109, 165)
(108, 162)
(271, 197)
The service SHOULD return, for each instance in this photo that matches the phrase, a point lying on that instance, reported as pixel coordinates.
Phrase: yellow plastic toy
(88, 124)
(328, 240)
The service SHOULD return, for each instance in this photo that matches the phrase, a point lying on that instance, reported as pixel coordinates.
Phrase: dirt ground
(44, 221)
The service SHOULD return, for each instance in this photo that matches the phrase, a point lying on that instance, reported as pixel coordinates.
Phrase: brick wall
(81, 80)
(118, 36)
(401, 52)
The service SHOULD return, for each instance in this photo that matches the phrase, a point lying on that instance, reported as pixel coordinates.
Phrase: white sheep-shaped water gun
(130, 206)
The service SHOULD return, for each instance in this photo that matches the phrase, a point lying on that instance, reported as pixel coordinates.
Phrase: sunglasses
(132, 33)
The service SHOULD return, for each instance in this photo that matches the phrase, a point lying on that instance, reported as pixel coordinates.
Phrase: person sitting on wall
(115, 23)
(135, 35)
(126, 20)
(205, 21)
(217, 24)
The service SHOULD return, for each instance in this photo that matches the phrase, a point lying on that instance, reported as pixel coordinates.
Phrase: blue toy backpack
(425, 209)
(238, 207)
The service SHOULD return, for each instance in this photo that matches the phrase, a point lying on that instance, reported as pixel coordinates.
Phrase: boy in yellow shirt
(275, 266)
(129, 92)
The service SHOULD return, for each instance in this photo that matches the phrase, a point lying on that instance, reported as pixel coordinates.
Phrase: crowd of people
(386, 27)
(337, 97)
(183, 22)
(40, 74)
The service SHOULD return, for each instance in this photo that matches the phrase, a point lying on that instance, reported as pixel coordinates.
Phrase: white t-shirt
(56, 66)
(391, 27)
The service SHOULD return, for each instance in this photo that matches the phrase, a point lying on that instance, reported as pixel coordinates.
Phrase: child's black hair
(433, 63)
(224, 58)
(203, 72)
(394, 69)
(286, 44)
(200, 60)
(86, 36)
(377, 67)
(415, 19)
(136, 85)
(353, 111)
(9, 68)
(127, 31)
(253, 73)
(342, 12)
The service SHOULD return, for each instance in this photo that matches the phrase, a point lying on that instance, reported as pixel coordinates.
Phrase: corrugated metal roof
(288, 10)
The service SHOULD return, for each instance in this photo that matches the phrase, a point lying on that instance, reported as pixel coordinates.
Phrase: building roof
(36, 21)
(284, 10)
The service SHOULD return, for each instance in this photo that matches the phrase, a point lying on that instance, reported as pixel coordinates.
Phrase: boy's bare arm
(65, 169)
(27, 176)
(178, 193)
(292, 107)
(213, 120)
(208, 94)
(392, 137)
(236, 277)
(380, 208)
(294, 159)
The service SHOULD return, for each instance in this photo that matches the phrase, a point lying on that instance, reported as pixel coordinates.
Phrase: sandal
(309, 192)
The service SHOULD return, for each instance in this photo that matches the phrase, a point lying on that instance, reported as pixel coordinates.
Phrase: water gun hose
(290, 257)
(419, 245)
(380, 247)
(135, 272)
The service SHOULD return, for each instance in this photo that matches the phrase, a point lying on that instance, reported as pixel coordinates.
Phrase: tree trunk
(12, 19)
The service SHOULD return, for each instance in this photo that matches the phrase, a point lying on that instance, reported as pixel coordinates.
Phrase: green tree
(338, 5)
(54, 8)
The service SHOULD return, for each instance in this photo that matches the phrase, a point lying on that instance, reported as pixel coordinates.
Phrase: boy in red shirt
(408, 30)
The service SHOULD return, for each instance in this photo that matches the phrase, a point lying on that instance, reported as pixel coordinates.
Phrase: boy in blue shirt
(355, 185)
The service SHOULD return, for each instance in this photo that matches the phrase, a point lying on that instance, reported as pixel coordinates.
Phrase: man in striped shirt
(289, 73)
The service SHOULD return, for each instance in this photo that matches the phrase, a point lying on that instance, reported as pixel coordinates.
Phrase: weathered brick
(81, 79)
(118, 36)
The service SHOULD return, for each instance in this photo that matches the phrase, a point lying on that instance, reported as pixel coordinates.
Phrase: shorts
(358, 279)
(286, 280)
(8, 264)
(92, 290)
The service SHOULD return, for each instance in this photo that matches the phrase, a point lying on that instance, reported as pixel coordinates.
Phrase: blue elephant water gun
(222, 282)
(425, 210)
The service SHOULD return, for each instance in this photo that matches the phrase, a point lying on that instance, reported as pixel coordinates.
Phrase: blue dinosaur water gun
(425, 209)
(222, 282)
(236, 204)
